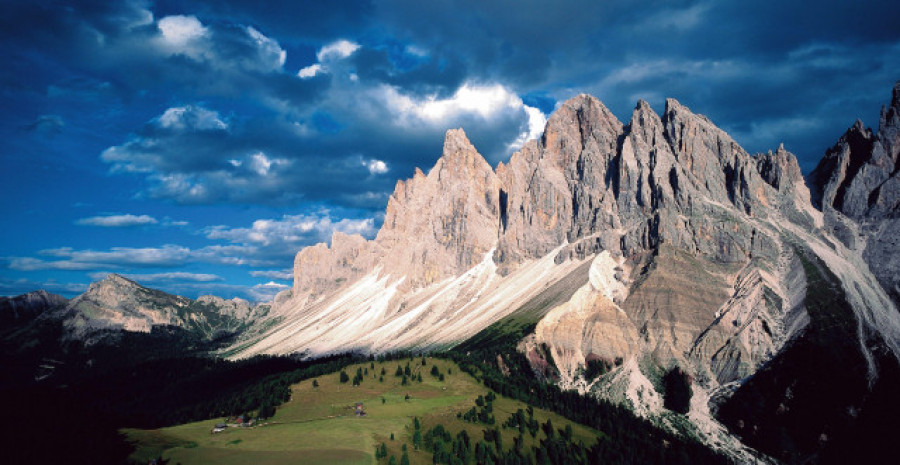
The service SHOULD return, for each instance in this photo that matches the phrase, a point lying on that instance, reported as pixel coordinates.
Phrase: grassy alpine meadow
(319, 424)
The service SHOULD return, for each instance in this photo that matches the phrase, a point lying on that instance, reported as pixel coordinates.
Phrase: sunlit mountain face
(195, 147)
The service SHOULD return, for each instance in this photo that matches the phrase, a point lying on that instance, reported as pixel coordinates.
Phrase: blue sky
(196, 146)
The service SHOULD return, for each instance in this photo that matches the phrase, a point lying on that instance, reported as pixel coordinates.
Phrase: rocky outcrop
(649, 245)
(857, 186)
(682, 209)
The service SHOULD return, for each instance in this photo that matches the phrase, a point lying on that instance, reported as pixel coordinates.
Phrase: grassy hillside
(318, 424)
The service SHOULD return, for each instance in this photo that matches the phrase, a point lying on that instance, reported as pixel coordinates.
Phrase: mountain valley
(619, 261)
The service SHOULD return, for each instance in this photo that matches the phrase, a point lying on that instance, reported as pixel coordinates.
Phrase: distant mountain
(118, 303)
(647, 248)
(116, 323)
(24, 308)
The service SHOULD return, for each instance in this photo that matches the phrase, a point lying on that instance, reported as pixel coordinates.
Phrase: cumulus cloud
(291, 230)
(265, 292)
(310, 71)
(180, 30)
(118, 221)
(191, 118)
(328, 54)
(376, 166)
(265, 243)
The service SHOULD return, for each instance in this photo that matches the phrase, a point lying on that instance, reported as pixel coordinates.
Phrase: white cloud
(268, 48)
(485, 101)
(482, 100)
(261, 164)
(310, 71)
(337, 50)
(330, 53)
(163, 277)
(191, 117)
(179, 31)
(118, 221)
(536, 122)
(165, 256)
(265, 292)
(286, 274)
(292, 230)
(376, 166)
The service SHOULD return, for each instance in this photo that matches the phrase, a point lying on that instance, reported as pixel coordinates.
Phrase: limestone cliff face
(857, 186)
(441, 224)
(656, 243)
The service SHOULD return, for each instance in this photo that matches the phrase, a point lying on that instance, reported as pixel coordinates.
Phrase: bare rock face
(441, 224)
(857, 186)
(321, 268)
(651, 244)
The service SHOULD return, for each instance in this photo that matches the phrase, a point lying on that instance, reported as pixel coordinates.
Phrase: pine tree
(417, 439)
(404, 460)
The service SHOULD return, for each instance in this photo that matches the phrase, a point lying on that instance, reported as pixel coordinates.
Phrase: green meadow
(319, 424)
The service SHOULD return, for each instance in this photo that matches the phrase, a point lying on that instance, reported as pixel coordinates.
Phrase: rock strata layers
(675, 246)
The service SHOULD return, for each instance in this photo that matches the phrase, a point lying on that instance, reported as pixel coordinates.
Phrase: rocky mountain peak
(119, 280)
(27, 306)
(460, 160)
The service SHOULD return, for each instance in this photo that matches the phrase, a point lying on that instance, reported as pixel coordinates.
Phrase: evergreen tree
(404, 459)
(392, 461)
(434, 370)
(417, 439)
(677, 391)
(315, 383)
(343, 377)
(399, 371)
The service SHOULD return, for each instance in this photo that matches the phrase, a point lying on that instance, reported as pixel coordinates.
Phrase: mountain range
(652, 248)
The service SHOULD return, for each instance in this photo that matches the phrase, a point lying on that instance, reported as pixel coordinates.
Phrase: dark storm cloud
(288, 20)
(756, 68)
